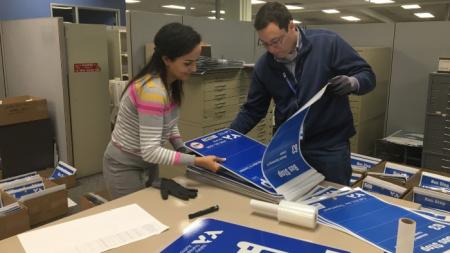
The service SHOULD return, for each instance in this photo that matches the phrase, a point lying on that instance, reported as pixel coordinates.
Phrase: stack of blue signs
(27, 186)
(278, 170)
(210, 235)
(62, 170)
(392, 181)
(22, 185)
(433, 192)
(364, 216)
(362, 163)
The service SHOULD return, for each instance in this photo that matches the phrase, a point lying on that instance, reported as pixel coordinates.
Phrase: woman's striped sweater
(146, 120)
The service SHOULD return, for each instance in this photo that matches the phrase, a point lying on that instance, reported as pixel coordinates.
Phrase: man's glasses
(276, 42)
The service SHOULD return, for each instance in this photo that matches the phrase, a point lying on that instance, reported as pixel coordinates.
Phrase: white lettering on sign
(212, 137)
(231, 136)
(248, 247)
(288, 171)
(212, 235)
(355, 195)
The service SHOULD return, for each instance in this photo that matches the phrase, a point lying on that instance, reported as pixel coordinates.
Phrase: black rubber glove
(170, 187)
(343, 85)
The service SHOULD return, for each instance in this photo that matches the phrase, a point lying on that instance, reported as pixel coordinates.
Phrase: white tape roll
(405, 235)
(298, 214)
(287, 211)
(264, 208)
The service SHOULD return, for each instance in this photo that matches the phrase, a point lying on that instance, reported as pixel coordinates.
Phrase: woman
(148, 115)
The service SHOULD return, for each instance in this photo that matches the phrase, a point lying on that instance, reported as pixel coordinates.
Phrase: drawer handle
(218, 113)
(448, 149)
(445, 167)
(445, 160)
(220, 96)
(220, 105)
(220, 87)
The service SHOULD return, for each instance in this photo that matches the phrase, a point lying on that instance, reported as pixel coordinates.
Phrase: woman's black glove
(170, 187)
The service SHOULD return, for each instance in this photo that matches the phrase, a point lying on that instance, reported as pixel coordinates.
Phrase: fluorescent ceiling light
(212, 17)
(132, 1)
(380, 1)
(331, 11)
(221, 11)
(351, 18)
(258, 2)
(424, 15)
(411, 6)
(294, 7)
(296, 21)
(62, 7)
(177, 7)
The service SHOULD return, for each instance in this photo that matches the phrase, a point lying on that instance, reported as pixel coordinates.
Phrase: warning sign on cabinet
(86, 67)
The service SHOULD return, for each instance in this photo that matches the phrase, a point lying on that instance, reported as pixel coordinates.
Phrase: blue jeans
(333, 162)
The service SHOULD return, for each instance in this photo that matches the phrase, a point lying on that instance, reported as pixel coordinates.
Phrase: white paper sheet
(95, 233)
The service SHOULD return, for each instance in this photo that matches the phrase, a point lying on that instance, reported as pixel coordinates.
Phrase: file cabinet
(436, 144)
(212, 100)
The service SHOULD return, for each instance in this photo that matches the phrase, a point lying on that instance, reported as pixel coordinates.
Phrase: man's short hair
(272, 12)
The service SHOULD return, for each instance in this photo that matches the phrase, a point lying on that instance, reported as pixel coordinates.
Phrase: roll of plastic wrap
(287, 211)
(405, 235)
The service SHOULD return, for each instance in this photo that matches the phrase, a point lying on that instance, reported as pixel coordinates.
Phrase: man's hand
(343, 85)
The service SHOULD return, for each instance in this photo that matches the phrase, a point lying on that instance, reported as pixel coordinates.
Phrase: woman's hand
(210, 162)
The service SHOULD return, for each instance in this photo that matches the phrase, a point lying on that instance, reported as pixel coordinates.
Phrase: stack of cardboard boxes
(27, 146)
(430, 188)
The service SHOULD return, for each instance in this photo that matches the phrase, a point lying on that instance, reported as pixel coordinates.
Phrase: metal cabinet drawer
(436, 162)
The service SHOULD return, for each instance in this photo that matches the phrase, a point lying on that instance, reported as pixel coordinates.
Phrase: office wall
(364, 35)
(141, 28)
(34, 64)
(357, 35)
(417, 47)
(233, 40)
(22, 9)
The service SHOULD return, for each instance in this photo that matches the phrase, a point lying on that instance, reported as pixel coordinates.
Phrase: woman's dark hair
(172, 40)
(272, 12)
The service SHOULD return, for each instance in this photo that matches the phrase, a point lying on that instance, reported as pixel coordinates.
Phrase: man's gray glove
(170, 187)
(343, 85)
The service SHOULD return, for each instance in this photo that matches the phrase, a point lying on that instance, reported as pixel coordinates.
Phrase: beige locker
(369, 111)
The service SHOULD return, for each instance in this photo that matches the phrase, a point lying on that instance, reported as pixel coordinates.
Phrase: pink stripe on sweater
(177, 158)
(132, 92)
(157, 112)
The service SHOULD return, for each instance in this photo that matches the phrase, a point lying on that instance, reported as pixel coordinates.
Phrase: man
(297, 64)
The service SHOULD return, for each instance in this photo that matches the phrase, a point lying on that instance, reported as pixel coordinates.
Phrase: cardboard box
(47, 207)
(409, 195)
(379, 168)
(69, 181)
(26, 147)
(16, 222)
(21, 109)
(86, 204)
(411, 182)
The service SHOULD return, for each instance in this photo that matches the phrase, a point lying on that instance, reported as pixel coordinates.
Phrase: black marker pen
(203, 212)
